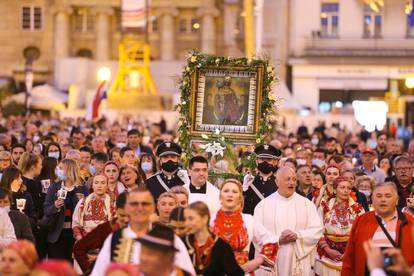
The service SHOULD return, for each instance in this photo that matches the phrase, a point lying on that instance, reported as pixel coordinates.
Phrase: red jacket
(363, 229)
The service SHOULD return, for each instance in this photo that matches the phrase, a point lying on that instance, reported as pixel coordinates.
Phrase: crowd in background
(71, 189)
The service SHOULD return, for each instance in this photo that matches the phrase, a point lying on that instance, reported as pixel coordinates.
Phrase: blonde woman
(166, 203)
(365, 184)
(61, 199)
(240, 230)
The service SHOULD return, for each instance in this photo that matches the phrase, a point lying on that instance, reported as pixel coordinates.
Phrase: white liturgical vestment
(298, 214)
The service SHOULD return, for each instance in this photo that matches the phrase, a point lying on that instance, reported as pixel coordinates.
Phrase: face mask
(36, 138)
(353, 146)
(60, 174)
(366, 193)
(265, 167)
(6, 209)
(92, 169)
(121, 145)
(315, 141)
(301, 162)
(1, 175)
(169, 166)
(146, 166)
(318, 162)
(54, 155)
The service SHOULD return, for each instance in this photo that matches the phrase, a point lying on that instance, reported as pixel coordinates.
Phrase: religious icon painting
(227, 99)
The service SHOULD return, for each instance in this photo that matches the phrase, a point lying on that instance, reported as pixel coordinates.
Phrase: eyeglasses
(400, 169)
(137, 203)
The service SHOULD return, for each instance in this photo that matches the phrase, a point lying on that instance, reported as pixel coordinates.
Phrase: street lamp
(104, 74)
(29, 82)
(409, 82)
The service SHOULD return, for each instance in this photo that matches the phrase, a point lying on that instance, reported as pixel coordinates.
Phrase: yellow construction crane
(249, 29)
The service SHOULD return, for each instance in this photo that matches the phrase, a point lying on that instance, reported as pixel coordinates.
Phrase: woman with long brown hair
(210, 254)
(240, 230)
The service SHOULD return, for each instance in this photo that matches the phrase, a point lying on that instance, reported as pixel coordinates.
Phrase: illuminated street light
(104, 74)
(409, 82)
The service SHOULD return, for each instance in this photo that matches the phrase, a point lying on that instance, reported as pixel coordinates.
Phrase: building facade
(50, 30)
(346, 50)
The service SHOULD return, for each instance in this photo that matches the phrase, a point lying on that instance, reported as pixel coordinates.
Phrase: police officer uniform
(261, 187)
(159, 182)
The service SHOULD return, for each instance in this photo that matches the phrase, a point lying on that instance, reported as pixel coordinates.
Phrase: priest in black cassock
(170, 175)
(264, 183)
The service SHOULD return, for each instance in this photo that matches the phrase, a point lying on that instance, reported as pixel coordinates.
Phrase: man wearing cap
(157, 253)
(169, 155)
(369, 168)
(263, 184)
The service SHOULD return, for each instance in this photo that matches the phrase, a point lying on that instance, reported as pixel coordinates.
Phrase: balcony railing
(359, 46)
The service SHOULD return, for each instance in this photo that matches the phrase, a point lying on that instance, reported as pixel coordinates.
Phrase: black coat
(21, 226)
(222, 260)
(266, 188)
(155, 187)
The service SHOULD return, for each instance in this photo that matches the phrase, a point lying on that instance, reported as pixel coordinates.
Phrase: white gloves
(183, 175)
(247, 181)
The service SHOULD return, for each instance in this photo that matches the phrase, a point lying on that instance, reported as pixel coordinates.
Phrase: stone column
(102, 33)
(167, 32)
(208, 29)
(61, 34)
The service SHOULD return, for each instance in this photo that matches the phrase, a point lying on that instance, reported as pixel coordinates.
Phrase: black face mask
(353, 146)
(169, 166)
(265, 167)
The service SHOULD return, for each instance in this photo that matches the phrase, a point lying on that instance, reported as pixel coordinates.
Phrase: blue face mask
(92, 169)
(146, 166)
(60, 174)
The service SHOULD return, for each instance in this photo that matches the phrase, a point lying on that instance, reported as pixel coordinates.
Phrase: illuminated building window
(83, 20)
(31, 18)
(329, 19)
(372, 22)
(188, 25)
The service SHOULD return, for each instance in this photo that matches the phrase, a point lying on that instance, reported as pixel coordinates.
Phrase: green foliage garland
(196, 60)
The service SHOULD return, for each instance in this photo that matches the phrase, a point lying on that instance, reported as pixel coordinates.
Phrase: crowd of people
(114, 198)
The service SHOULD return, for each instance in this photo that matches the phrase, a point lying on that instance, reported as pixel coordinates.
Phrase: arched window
(86, 53)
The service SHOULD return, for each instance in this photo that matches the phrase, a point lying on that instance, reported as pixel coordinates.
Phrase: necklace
(203, 253)
(341, 214)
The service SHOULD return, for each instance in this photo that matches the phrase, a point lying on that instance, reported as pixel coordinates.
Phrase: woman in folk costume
(93, 210)
(239, 230)
(211, 255)
(326, 192)
(115, 187)
(338, 215)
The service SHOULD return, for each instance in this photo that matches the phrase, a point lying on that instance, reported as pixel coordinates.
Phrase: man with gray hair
(385, 227)
(403, 179)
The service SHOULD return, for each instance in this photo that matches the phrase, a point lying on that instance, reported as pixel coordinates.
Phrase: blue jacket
(50, 209)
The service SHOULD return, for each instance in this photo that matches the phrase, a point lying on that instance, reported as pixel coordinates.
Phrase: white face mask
(120, 145)
(315, 141)
(54, 155)
(318, 162)
(301, 162)
(6, 209)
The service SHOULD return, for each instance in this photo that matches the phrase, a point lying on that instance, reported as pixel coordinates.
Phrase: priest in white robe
(199, 189)
(295, 222)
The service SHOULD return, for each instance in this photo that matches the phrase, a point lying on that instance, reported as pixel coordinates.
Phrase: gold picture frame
(228, 99)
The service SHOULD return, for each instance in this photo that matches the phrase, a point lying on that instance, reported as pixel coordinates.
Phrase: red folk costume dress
(337, 219)
(90, 212)
(239, 230)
